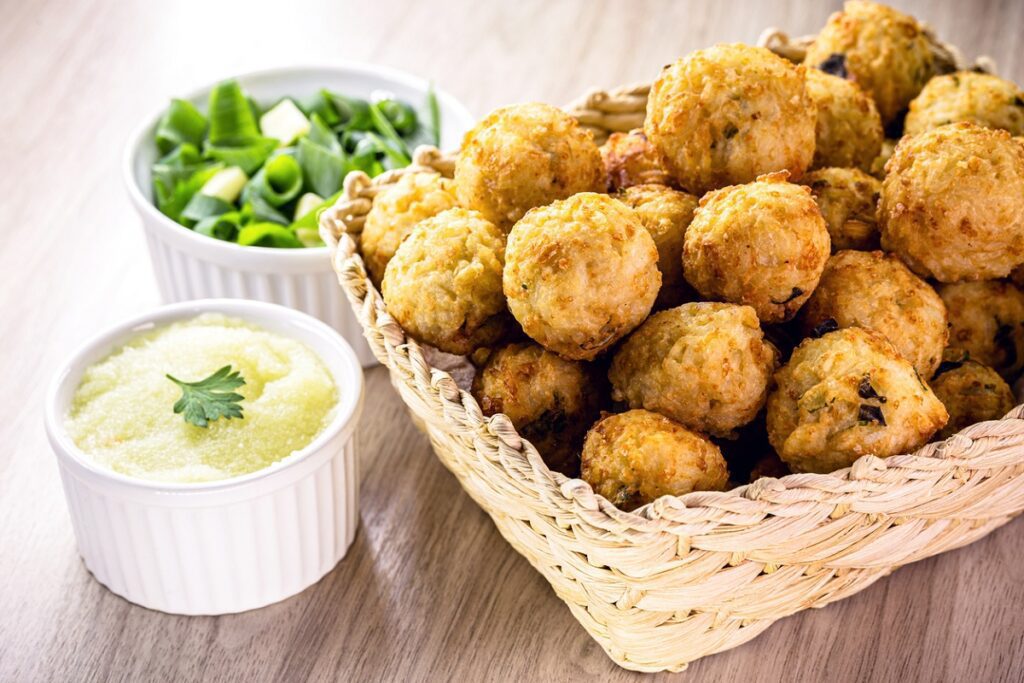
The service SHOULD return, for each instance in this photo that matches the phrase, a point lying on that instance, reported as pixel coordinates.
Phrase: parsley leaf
(210, 398)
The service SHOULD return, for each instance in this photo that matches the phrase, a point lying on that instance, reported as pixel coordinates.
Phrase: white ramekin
(224, 546)
(192, 266)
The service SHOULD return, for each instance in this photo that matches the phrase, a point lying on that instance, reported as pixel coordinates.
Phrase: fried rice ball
(728, 114)
(986, 319)
(886, 52)
(636, 457)
(763, 244)
(580, 274)
(666, 213)
(394, 213)
(630, 159)
(983, 99)
(550, 400)
(876, 291)
(443, 285)
(848, 199)
(970, 391)
(847, 394)
(952, 204)
(705, 365)
(849, 129)
(524, 156)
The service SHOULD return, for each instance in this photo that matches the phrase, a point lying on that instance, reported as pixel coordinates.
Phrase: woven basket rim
(866, 475)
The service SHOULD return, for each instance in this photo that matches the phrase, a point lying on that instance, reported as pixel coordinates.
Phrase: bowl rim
(347, 409)
(255, 255)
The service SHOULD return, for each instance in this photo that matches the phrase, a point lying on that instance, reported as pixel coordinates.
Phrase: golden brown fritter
(705, 365)
(986, 319)
(970, 391)
(952, 203)
(550, 400)
(395, 212)
(630, 159)
(580, 274)
(524, 156)
(886, 52)
(848, 394)
(849, 129)
(763, 244)
(636, 457)
(876, 291)
(443, 285)
(666, 213)
(728, 114)
(983, 99)
(848, 199)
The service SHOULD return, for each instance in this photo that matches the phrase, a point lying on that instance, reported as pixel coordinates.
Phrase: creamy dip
(121, 415)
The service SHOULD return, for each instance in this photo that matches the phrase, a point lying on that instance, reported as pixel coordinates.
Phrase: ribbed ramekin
(223, 546)
(192, 266)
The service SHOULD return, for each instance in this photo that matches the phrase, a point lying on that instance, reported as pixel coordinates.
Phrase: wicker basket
(693, 575)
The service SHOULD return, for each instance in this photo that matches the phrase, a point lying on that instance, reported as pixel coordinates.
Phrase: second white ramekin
(192, 266)
(223, 546)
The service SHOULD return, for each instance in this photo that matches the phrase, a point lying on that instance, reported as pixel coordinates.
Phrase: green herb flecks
(211, 398)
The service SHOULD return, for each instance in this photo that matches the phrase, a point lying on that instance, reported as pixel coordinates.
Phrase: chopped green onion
(279, 181)
(249, 157)
(263, 211)
(322, 168)
(310, 219)
(307, 202)
(321, 105)
(268, 235)
(398, 157)
(203, 206)
(384, 127)
(232, 119)
(400, 115)
(182, 123)
(353, 112)
(172, 201)
(310, 237)
(226, 184)
(224, 227)
(285, 122)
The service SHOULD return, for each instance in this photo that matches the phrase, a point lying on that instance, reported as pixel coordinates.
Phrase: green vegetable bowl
(229, 179)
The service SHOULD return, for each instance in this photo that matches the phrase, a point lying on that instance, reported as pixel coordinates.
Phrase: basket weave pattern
(693, 575)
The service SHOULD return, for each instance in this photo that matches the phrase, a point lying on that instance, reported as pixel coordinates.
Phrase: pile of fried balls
(789, 267)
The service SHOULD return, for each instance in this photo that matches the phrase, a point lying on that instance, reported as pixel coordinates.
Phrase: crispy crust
(705, 365)
(971, 392)
(396, 211)
(848, 394)
(581, 273)
(983, 99)
(523, 156)
(550, 400)
(638, 456)
(876, 291)
(986, 319)
(849, 130)
(666, 213)
(952, 203)
(728, 114)
(886, 52)
(630, 159)
(763, 244)
(848, 199)
(443, 285)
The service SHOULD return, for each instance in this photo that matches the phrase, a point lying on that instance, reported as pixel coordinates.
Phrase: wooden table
(429, 591)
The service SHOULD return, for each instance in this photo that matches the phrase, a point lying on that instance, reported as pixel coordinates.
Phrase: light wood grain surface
(429, 591)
